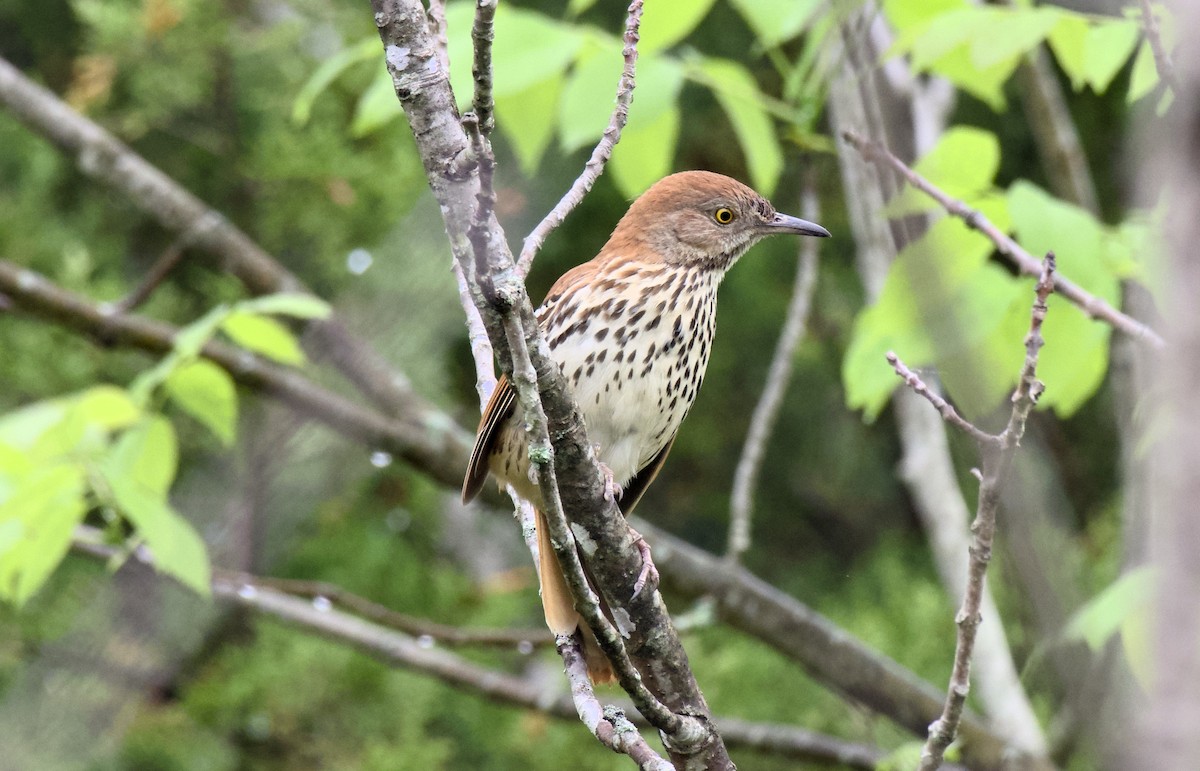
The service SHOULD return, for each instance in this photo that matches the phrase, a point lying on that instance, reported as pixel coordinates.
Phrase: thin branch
(483, 33)
(1162, 59)
(951, 416)
(1093, 306)
(766, 412)
(106, 159)
(998, 452)
(603, 150)
(397, 649)
(320, 592)
(419, 434)
(158, 273)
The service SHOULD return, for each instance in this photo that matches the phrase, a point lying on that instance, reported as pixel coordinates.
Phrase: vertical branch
(1162, 60)
(603, 150)
(780, 374)
(997, 452)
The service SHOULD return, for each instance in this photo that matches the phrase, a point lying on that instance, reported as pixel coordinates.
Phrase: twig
(609, 725)
(603, 150)
(951, 416)
(524, 640)
(111, 162)
(483, 33)
(1093, 306)
(997, 451)
(762, 423)
(1162, 59)
(158, 273)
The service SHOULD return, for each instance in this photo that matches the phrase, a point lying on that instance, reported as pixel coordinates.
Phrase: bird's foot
(649, 573)
(612, 488)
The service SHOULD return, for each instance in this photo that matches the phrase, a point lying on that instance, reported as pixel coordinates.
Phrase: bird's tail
(559, 607)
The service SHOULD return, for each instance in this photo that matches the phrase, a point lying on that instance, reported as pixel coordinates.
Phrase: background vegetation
(281, 116)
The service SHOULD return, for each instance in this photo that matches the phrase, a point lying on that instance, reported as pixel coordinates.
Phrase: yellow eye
(723, 216)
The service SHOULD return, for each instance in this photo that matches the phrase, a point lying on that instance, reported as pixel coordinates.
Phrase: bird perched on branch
(631, 330)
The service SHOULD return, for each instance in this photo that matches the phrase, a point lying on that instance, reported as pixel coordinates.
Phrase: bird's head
(699, 218)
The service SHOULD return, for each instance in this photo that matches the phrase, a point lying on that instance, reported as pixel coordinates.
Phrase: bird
(631, 331)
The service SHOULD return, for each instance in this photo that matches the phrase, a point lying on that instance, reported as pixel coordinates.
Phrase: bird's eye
(723, 215)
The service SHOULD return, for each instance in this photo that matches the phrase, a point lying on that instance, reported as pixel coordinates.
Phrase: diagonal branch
(1162, 59)
(1093, 306)
(111, 162)
(603, 150)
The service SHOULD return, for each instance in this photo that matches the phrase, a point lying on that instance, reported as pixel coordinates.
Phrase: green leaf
(529, 48)
(734, 87)
(145, 456)
(295, 304)
(377, 105)
(527, 120)
(1103, 616)
(963, 163)
(906, 15)
(1068, 40)
(263, 335)
(776, 21)
(1011, 33)
(583, 115)
(23, 428)
(38, 519)
(108, 407)
(666, 22)
(190, 339)
(206, 392)
(1109, 46)
(1144, 78)
(645, 153)
(177, 549)
(327, 72)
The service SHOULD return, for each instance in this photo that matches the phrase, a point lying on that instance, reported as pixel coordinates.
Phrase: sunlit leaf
(263, 335)
(1144, 77)
(646, 153)
(527, 120)
(733, 86)
(294, 304)
(177, 549)
(1068, 40)
(1109, 46)
(1012, 32)
(1097, 620)
(145, 456)
(667, 22)
(206, 392)
(590, 95)
(963, 163)
(327, 72)
(776, 21)
(39, 517)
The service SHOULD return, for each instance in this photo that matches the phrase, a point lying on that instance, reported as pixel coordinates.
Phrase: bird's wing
(498, 408)
(636, 487)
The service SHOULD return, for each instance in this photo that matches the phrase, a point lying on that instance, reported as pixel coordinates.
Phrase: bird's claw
(649, 573)
(612, 489)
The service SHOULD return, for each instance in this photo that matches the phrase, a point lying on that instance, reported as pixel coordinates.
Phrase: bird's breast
(634, 349)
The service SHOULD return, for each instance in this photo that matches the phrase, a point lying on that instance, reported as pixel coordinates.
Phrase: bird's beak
(784, 223)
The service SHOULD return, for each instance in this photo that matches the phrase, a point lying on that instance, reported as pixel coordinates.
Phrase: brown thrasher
(631, 330)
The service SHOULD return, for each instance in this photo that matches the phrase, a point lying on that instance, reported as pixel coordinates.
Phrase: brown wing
(636, 487)
(498, 408)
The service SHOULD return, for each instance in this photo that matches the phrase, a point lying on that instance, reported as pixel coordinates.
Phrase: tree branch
(997, 451)
(1093, 306)
(443, 144)
(268, 598)
(603, 150)
(109, 161)
(762, 423)
(1162, 59)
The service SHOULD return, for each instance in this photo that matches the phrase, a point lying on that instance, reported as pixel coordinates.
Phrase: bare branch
(762, 423)
(320, 592)
(483, 33)
(154, 277)
(1162, 59)
(109, 161)
(997, 453)
(417, 433)
(1093, 306)
(913, 381)
(603, 150)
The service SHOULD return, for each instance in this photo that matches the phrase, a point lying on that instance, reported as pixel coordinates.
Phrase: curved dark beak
(784, 223)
